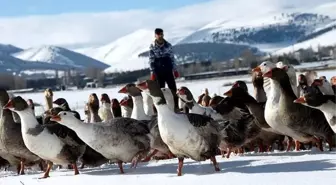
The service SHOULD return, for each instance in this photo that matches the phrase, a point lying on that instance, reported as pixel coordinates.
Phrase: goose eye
(64, 113)
(264, 64)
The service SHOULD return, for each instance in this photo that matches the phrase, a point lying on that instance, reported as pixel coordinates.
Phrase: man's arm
(151, 58)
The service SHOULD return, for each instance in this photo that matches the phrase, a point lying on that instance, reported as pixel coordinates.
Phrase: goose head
(17, 104)
(200, 98)
(104, 98)
(278, 75)
(60, 101)
(237, 92)
(154, 91)
(4, 97)
(115, 103)
(48, 93)
(130, 89)
(184, 94)
(93, 101)
(302, 80)
(310, 76)
(64, 118)
(315, 99)
(215, 100)
(31, 104)
(324, 86)
(264, 67)
(127, 102)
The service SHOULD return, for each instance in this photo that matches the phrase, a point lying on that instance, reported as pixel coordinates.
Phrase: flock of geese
(299, 113)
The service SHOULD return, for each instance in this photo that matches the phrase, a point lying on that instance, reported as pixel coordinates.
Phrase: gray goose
(302, 123)
(14, 150)
(52, 142)
(119, 139)
(187, 135)
(186, 96)
(93, 105)
(116, 108)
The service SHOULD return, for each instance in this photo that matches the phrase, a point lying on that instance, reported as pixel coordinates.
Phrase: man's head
(158, 33)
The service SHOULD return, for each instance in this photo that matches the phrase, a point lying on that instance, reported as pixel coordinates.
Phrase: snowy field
(298, 168)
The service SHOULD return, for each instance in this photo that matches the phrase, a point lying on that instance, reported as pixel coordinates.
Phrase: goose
(240, 128)
(126, 106)
(325, 103)
(87, 114)
(116, 108)
(187, 135)
(156, 142)
(51, 142)
(302, 123)
(138, 105)
(31, 104)
(104, 111)
(185, 95)
(16, 148)
(93, 105)
(61, 102)
(119, 139)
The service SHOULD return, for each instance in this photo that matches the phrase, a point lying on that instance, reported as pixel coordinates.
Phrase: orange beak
(300, 100)
(123, 90)
(56, 118)
(228, 93)
(9, 105)
(123, 102)
(142, 86)
(268, 74)
(257, 69)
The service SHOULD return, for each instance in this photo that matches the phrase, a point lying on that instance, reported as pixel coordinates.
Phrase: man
(162, 63)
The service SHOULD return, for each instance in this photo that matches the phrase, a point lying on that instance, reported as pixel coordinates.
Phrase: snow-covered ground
(308, 167)
(300, 168)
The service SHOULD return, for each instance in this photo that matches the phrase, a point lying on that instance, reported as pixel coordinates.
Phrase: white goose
(324, 86)
(186, 96)
(187, 135)
(105, 112)
(126, 107)
(148, 104)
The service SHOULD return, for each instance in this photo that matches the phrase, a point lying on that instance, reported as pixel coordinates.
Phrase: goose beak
(142, 86)
(123, 90)
(56, 118)
(180, 92)
(257, 69)
(268, 74)
(123, 102)
(9, 105)
(228, 93)
(300, 100)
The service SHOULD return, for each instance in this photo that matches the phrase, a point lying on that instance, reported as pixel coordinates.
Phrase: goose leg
(74, 166)
(214, 162)
(148, 158)
(228, 153)
(41, 165)
(46, 174)
(297, 145)
(180, 165)
(330, 142)
(22, 166)
(120, 165)
(18, 168)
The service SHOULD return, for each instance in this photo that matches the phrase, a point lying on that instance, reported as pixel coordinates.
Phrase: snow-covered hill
(59, 56)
